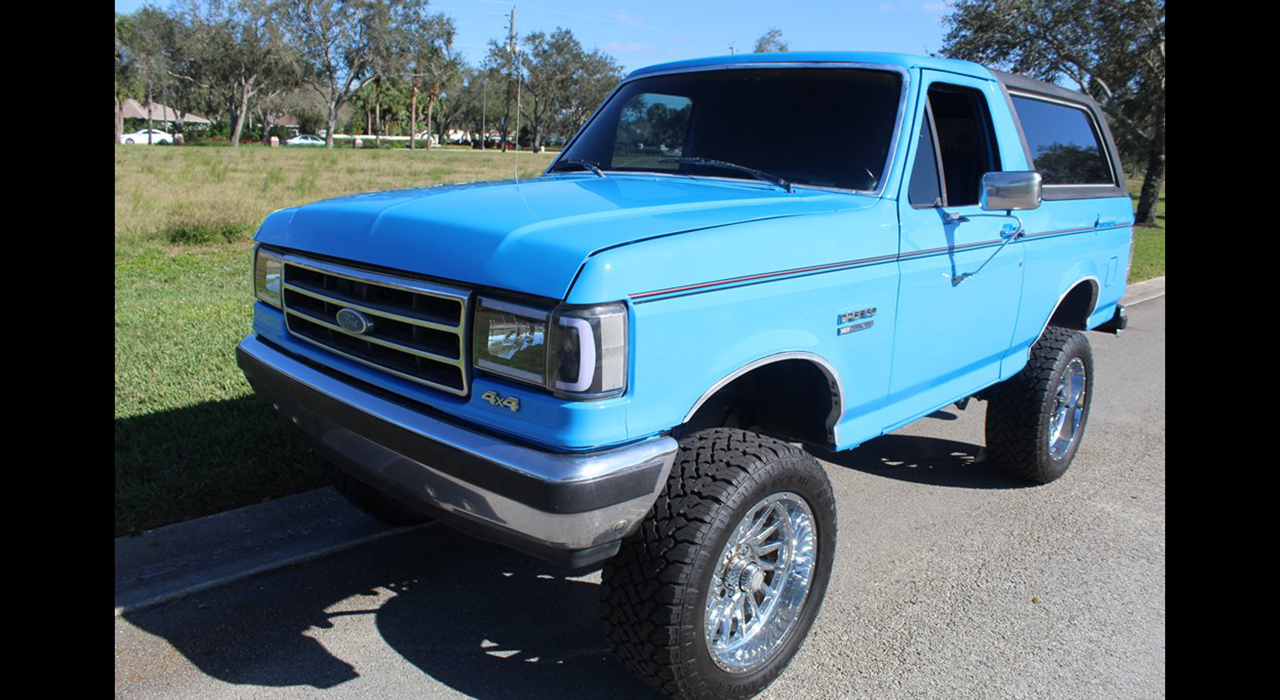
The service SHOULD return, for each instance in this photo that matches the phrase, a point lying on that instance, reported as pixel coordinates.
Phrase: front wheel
(716, 591)
(1036, 419)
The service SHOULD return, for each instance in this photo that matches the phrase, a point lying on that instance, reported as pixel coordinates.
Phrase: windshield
(825, 127)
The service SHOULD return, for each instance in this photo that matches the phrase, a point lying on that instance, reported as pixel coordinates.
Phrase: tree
(346, 44)
(459, 98)
(385, 107)
(430, 65)
(474, 100)
(142, 37)
(504, 60)
(180, 59)
(554, 66)
(1114, 49)
(563, 83)
(771, 41)
(302, 103)
(600, 74)
(388, 51)
(235, 48)
(126, 71)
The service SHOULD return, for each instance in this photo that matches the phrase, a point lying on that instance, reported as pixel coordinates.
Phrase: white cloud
(627, 18)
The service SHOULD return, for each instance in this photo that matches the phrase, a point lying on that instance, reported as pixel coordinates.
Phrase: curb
(1144, 291)
(176, 560)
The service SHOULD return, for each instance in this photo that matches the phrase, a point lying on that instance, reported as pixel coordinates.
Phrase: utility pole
(511, 40)
(731, 47)
(413, 118)
(484, 119)
(515, 60)
(149, 62)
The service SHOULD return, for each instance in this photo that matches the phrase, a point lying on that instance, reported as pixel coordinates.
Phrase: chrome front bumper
(571, 509)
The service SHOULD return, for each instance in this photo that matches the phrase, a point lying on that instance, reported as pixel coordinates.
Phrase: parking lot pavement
(950, 581)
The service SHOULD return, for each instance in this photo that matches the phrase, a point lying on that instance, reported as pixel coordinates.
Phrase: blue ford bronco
(617, 361)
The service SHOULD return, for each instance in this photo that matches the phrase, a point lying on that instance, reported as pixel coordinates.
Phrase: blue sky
(642, 32)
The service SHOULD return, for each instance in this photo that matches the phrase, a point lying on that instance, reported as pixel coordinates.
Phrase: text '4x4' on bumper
(572, 509)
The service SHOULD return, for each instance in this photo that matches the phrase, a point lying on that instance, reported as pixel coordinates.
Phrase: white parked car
(140, 136)
(304, 140)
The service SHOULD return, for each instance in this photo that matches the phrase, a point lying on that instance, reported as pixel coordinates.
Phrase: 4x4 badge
(510, 402)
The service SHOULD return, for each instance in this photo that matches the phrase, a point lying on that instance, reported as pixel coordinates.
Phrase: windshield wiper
(588, 164)
(709, 162)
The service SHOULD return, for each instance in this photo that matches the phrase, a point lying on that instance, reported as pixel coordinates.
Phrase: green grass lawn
(1148, 242)
(190, 438)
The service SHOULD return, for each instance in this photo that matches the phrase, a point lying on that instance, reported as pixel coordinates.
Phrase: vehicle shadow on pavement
(513, 627)
(923, 460)
(476, 617)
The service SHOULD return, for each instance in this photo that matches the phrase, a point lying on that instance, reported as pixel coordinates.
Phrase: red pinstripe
(847, 263)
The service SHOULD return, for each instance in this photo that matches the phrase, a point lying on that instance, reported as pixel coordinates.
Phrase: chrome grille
(418, 329)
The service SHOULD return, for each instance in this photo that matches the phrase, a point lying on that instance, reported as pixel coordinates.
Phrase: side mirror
(1011, 190)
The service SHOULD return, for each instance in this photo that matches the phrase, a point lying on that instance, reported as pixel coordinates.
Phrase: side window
(965, 141)
(1064, 142)
(651, 126)
(923, 191)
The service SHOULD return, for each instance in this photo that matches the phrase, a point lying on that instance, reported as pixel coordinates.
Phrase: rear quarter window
(1064, 141)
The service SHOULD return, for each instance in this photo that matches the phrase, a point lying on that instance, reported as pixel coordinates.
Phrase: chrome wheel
(1068, 408)
(760, 583)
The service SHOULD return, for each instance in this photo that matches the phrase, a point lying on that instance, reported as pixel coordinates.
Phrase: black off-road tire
(1020, 409)
(373, 502)
(654, 592)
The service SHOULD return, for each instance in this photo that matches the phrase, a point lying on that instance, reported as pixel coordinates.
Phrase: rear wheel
(714, 594)
(1036, 419)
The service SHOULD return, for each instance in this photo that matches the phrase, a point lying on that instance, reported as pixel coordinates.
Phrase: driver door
(951, 334)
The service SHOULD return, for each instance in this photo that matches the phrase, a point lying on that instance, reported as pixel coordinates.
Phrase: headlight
(575, 352)
(589, 354)
(267, 268)
(511, 339)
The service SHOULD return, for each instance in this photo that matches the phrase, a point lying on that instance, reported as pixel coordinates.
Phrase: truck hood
(533, 235)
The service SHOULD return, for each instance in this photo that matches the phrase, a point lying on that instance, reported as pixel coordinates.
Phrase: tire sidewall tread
(1019, 411)
(653, 594)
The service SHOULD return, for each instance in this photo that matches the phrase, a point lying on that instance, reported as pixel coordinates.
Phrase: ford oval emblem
(353, 321)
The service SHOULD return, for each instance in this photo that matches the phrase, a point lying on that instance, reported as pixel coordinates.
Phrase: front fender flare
(827, 368)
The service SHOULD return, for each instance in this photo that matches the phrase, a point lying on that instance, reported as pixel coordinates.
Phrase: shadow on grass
(923, 460)
(483, 620)
(188, 462)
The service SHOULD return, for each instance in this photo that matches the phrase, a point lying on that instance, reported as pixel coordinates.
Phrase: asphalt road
(950, 581)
